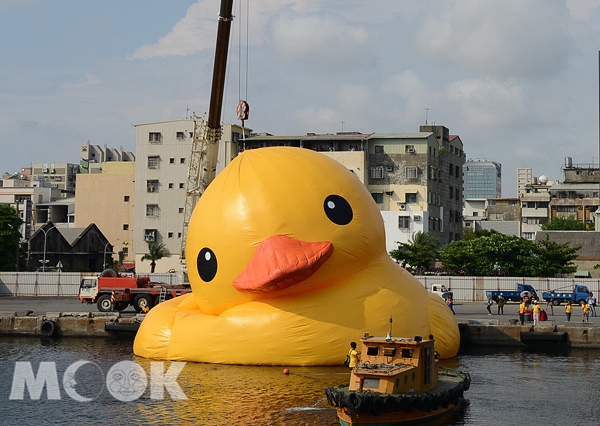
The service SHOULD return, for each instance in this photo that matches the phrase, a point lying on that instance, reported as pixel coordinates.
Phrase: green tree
(10, 238)
(516, 256)
(156, 252)
(420, 251)
(561, 223)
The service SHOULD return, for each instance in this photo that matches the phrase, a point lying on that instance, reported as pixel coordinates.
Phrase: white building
(161, 172)
(524, 178)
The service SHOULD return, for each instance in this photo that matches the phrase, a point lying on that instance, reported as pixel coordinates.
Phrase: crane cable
(243, 108)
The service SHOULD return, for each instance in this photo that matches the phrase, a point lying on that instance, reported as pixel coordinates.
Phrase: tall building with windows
(163, 152)
(483, 178)
(524, 178)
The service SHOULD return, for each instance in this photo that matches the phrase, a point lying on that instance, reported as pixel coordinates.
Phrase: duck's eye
(207, 264)
(338, 210)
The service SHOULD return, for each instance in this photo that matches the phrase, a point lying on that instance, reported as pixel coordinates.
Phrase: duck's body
(287, 262)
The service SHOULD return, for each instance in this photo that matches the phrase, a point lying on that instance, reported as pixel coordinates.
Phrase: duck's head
(277, 222)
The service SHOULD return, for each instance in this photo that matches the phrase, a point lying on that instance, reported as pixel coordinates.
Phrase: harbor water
(547, 387)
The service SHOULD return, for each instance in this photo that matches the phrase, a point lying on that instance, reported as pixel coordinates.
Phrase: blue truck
(512, 296)
(579, 295)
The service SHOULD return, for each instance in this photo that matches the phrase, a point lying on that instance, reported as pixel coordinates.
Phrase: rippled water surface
(552, 388)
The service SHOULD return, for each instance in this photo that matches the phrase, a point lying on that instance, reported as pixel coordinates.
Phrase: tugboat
(398, 381)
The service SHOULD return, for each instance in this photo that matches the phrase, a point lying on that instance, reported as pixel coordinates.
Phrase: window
(152, 185)
(179, 235)
(153, 161)
(378, 149)
(170, 185)
(152, 210)
(457, 171)
(475, 214)
(125, 251)
(170, 234)
(403, 222)
(126, 198)
(180, 209)
(154, 137)
(180, 135)
(171, 160)
(410, 198)
(410, 172)
(181, 186)
(125, 227)
(451, 169)
(150, 235)
(182, 161)
(451, 192)
(378, 197)
(377, 172)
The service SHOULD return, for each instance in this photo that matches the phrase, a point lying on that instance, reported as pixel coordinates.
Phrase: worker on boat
(353, 356)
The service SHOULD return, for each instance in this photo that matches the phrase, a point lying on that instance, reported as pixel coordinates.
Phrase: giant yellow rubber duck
(287, 263)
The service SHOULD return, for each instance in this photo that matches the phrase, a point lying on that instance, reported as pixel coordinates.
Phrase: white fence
(56, 283)
(465, 289)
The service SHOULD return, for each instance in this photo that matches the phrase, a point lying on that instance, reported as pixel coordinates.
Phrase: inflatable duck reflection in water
(287, 262)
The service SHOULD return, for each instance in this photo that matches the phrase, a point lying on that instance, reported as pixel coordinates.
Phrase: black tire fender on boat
(328, 394)
(336, 397)
(446, 398)
(354, 401)
(437, 401)
(48, 328)
(411, 404)
(388, 404)
(377, 407)
(400, 403)
(366, 403)
(456, 396)
(427, 403)
(467, 382)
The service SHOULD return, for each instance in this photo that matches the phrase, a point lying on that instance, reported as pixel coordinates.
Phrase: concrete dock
(67, 317)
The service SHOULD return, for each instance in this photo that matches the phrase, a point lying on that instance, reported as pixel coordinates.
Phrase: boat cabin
(395, 365)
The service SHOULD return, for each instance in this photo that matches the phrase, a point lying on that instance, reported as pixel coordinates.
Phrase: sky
(516, 80)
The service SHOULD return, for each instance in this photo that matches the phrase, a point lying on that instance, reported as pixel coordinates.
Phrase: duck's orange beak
(280, 262)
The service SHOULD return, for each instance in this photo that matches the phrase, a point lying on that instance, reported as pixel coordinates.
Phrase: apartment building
(161, 173)
(57, 175)
(92, 157)
(415, 178)
(535, 206)
(524, 178)
(107, 199)
(577, 195)
(483, 178)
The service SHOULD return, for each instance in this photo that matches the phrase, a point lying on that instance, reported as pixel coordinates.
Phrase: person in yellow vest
(585, 312)
(536, 312)
(353, 356)
(569, 310)
(522, 312)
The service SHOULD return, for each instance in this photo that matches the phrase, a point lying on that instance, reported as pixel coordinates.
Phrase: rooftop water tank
(568, 162)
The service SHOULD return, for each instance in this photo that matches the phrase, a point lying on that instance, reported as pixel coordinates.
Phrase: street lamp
(46, 235)
(104, 258)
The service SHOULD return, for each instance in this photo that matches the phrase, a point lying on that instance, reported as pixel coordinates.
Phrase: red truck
(117, 293)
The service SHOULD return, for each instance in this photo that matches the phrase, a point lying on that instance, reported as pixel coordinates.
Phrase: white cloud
(505, 38)
(197, 30)
(580, 9)
(414, 96)
(486, 103)
(323, 41)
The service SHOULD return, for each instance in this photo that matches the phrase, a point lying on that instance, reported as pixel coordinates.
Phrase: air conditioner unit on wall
(410, 150)
(416, 217)
(402, 206)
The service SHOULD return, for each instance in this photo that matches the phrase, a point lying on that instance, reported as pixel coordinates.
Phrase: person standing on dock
(450, 304)
(568, 310)
(585, 312)
(591, 301)
(536, 312)
(489, 305)
(500, 302)
(522, 312)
